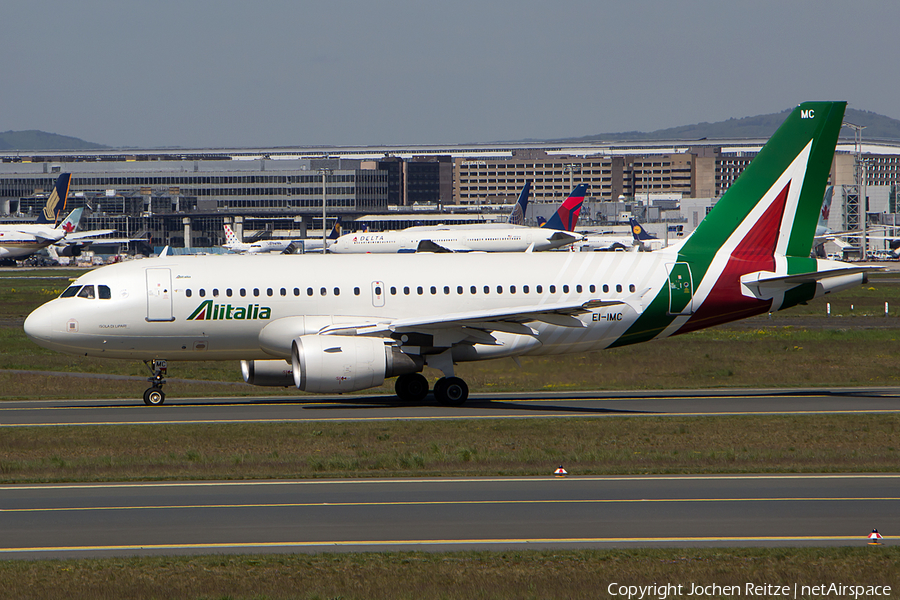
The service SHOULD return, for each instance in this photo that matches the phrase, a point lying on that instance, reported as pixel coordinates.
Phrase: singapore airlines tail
(56, 203)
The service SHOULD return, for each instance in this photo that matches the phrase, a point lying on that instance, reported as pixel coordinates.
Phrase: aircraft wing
(84, 236)
(429, 246)
(510, 320)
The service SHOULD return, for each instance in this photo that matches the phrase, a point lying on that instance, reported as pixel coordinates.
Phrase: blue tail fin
(56, 203)
(640, 234)
(336, 230)
(517, 216)
(566, 217)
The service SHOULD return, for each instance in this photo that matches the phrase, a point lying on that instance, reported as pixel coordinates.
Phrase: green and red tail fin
(774, 205)
(764, 223)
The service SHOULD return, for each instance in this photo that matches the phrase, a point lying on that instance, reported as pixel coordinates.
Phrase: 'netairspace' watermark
(768, 590)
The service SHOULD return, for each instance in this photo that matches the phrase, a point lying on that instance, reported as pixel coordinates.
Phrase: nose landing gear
(153, 395)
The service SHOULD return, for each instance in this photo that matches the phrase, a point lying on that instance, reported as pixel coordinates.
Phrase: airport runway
(479, 406)
(446, 514)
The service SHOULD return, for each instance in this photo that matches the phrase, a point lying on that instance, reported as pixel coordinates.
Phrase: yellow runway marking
(439, 542)
(463, 417)
(436, 503)
(571, 480)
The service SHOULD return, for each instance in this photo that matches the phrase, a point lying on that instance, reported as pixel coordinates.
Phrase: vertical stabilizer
(56, 203)
(566, 217)
(517, 215)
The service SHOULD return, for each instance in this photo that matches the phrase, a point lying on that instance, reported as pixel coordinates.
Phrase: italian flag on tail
(751, 254)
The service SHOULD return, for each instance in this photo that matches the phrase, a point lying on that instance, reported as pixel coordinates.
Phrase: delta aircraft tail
(751, 254)
(56, 203)
(566, 216)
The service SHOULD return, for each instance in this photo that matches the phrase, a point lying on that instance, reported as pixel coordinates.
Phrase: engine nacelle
(328, 364)
(277, 373)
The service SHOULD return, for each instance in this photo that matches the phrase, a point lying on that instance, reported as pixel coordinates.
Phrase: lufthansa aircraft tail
(56, 203)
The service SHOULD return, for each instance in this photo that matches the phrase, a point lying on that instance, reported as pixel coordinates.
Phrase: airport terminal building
(182, 198)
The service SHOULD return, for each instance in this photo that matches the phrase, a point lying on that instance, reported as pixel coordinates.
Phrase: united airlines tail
(56, 203)
(566, 217)
(517, 215)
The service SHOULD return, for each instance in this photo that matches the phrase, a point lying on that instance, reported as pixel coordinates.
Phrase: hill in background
(33, 139)
(758, 127)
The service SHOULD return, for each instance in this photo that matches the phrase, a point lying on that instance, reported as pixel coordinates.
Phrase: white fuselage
(504, 238)
(25, 240)
(150, 302)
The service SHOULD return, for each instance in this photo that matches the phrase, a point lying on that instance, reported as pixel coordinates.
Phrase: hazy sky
(223, 73)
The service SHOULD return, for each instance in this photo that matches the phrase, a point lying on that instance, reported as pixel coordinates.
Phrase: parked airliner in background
(334, 324)
(21, 240)
(233, 244)
(480, 237)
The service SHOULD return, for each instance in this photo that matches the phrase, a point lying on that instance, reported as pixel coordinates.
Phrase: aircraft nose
(38, 325)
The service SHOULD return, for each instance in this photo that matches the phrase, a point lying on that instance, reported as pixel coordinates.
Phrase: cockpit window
(86, 292)
(70, 291)
(103, 292)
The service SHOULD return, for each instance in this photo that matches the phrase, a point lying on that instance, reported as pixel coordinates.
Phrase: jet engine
(328, 364)
(278, 373)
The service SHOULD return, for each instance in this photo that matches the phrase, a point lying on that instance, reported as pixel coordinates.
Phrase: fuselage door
(681, 289)
(377, 293)
(159, 295)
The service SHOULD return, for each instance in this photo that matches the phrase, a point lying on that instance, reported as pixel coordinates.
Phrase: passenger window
(552, 289)
(269, 292)
(337, 291)
(459, 290)
(103, 292)
(499, 289)
(406, 290)
(605, 288)
(356, 291)
(524, 289)
(487, 290)
(593, 288)
(255, 291)
(187, 292)
(283, 292)
(631, 287)
(215, 292)
(473, 290)
(296, 292)
(393, 291)
(73, 289)
(619, 287)
(512, 289)
(323, 292)
(540, 289)
(578, 288)
(228, 292)
(243, 292)
(86, 292)
(433, 290)
(565, 289)
(202, 292)
(420, 290)
(309, 292)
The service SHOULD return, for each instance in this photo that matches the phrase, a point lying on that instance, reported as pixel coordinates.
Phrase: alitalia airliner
(333, 324)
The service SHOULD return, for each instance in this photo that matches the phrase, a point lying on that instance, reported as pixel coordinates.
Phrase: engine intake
(328, 364)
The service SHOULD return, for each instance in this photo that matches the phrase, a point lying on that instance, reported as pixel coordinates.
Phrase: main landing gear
(153, 395)
(448, 391)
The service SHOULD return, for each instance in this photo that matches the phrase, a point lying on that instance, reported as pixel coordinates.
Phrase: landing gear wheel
(154, 396)
(412, 387)
(451, 391)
